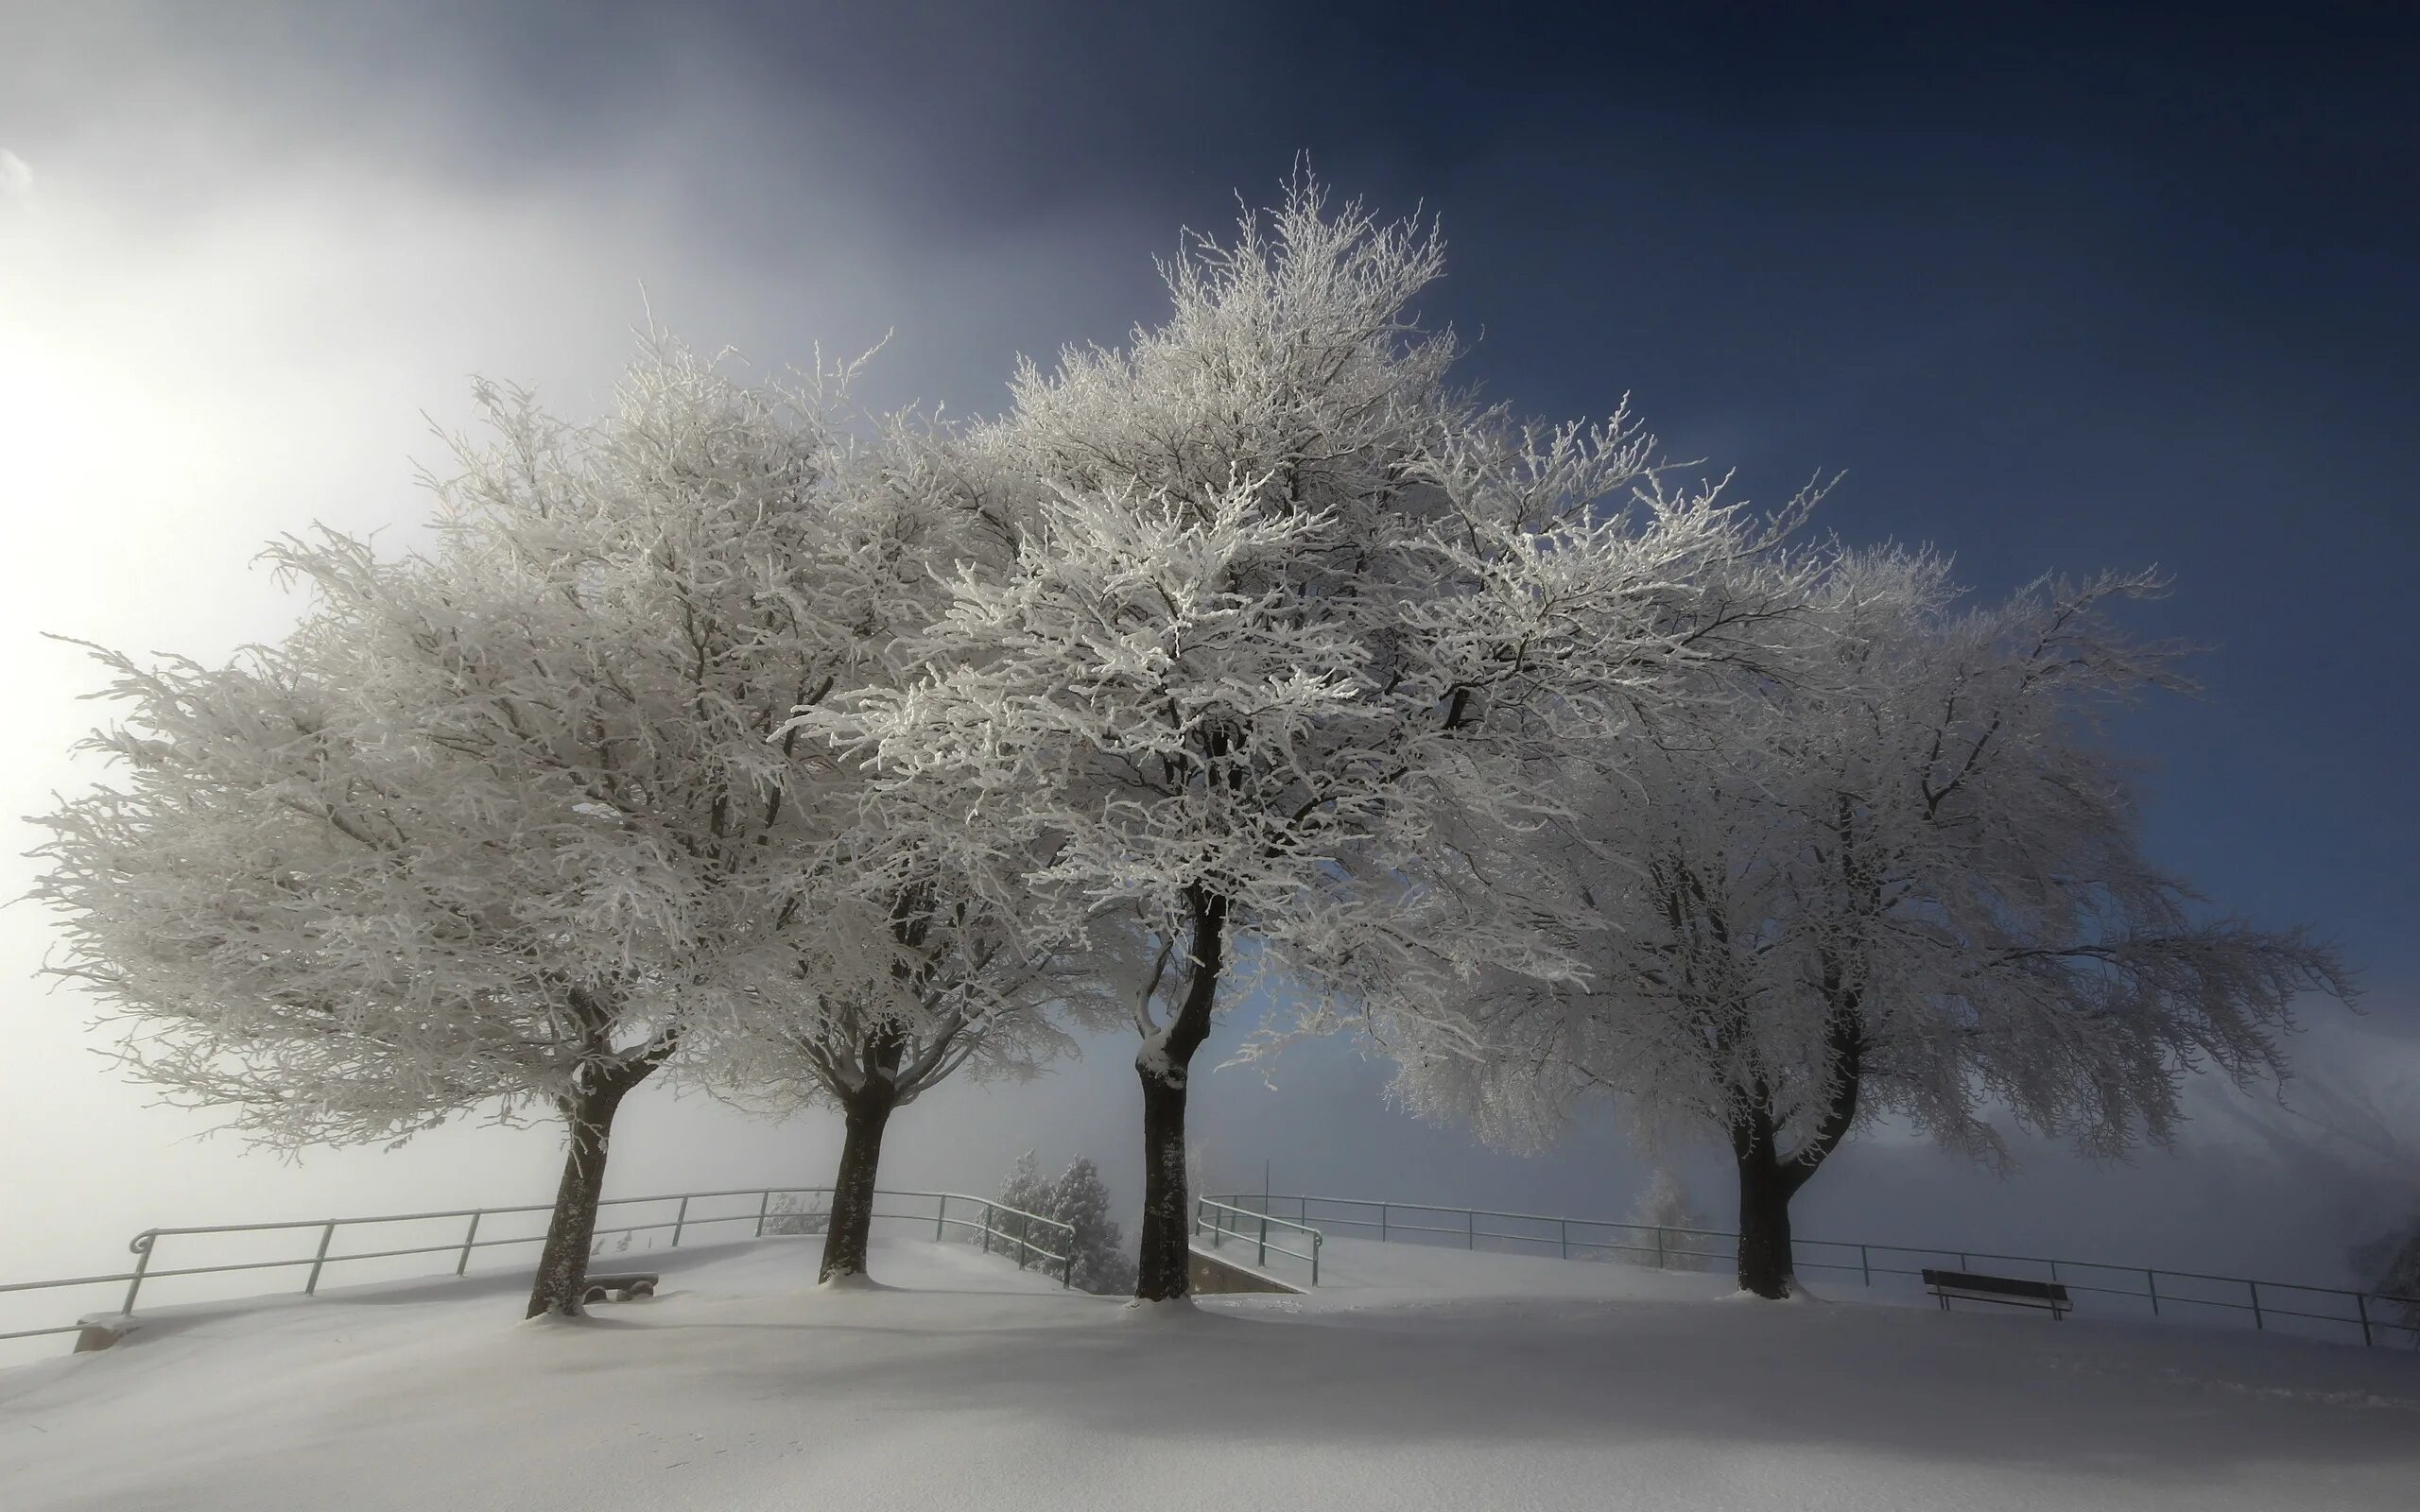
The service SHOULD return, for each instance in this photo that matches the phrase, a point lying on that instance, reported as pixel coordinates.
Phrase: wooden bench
(618, 1288)
(2010, 1289)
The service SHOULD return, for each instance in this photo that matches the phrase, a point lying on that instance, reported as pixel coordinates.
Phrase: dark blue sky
(2058, 290)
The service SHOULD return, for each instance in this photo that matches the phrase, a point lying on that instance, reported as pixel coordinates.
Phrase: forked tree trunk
(852, 1222)
(1768, 1179)
(1162, 1264)
(562, 1266)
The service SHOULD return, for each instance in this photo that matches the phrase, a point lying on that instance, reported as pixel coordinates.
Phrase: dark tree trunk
(851, 1221)
(1162, 1266)
(1765, 1264)
(1768, 1179)
(562, 1266)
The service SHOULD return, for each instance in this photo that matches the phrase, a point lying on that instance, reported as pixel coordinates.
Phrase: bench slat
(1995, 1286)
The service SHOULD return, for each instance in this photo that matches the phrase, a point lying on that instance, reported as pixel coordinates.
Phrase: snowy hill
(1422, 1379)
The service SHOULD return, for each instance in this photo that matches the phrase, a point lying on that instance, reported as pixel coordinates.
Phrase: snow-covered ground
(1422, 1378)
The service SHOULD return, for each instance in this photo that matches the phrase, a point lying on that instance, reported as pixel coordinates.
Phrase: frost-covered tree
(509, 818)
(958, 996)
(1664, 1214)
(930, 956)
(1077, 1197)
(1904, 878)
(1287, 620)
(1024, 1189)
(1079, 1200)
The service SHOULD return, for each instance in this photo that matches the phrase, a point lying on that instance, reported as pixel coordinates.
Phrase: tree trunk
(1163, 1261)
(1768, 1180)
(562, 1266)
(1766, 1267)
(852, 1222)
(1162, 1268)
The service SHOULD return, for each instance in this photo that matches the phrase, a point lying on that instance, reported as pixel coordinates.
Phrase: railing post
(1659, 1250)
(941, 1217)
(2256, 1322)
(142, 1248)
(1865, 1264)
(2362, 1305)
(763, 1210)
(1382, 1223)
(1067, 1268)
(679, 1221)
(1964, 1263)
(1470, 1228)
(1317, 1239)
(1262, 1258)
(311, 1287)
(1562, 1238)
(2150, 1289)
(468, 1240)
(987, 1227)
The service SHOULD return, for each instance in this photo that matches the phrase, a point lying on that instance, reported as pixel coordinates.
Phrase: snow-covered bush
(798, 1212)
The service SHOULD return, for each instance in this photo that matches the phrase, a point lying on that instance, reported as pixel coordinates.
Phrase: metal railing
(2375, 1319)
(1018, 1242)
(1222, 1221)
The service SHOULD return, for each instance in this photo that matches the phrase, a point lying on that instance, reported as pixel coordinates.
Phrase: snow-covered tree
(1287, 620)
(510, 818)
(1661, 1222)
(1077, 1197)
(1023, 1190)
(1902, 879)
(1079, 1200)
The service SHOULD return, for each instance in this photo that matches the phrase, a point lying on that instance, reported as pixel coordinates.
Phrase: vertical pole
(1317, 1239)
(1068, 1269)
(2255, 1305)
(1562, 1238)
(1659, 1249)
(2150, 1287)
(1470, 1228)
(987, 1227)
(312, 1286)
(143, 1242)
(468, 1240)
(1263, 1259)
(2362, 1305)
(1865, 1264)
(941, 1216)
(764, 1208)
(1964, 1263)
(679, 1221)
(1382, 1223)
